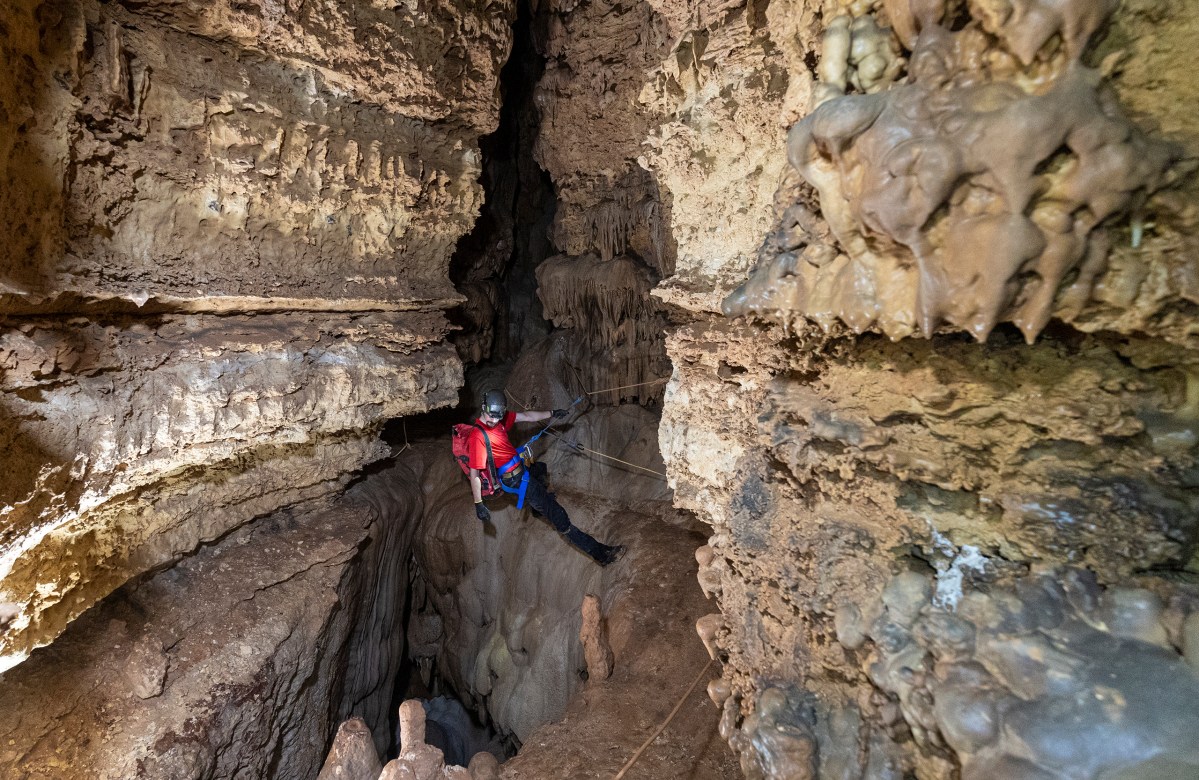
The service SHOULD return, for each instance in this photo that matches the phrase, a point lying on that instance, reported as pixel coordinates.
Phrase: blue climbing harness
(509, 467)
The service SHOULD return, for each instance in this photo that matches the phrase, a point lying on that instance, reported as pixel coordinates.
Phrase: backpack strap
(519, 492)
(492, 476)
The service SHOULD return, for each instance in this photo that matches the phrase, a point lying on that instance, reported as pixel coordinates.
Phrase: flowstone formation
(575, 663)
(961, 488)
(231, 227)
(614, 328)
(985, 187)
(660, 129)
(1048, 677)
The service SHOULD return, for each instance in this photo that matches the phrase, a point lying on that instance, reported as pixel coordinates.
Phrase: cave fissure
(493, 264)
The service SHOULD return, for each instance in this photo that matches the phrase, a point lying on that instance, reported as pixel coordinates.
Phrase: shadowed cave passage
(493, 265)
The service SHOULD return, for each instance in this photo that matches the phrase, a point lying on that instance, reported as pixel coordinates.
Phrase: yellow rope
(626, 387)
(665, 723)
(582, 448)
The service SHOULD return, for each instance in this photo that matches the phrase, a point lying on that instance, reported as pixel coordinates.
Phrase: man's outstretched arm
(539, 416)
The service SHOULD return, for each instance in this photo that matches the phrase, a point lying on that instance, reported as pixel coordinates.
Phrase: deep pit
(875, 320)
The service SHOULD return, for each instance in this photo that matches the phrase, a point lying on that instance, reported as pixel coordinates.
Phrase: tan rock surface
(191, 429)
(173, 170)
(836, 471)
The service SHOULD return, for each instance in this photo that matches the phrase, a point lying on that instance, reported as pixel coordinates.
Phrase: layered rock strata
(232, 227)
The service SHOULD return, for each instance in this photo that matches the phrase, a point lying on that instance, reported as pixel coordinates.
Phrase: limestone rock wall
(282, 639)
(231, 226)
(922, 549)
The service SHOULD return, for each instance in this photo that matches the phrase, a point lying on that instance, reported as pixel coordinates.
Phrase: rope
(577, 446)
(581, 448)
(626, 387)
(665, 723)
(404, 422)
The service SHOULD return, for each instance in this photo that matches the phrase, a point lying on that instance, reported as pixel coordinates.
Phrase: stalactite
(613, 225)
(1014, 163)
(618, 324)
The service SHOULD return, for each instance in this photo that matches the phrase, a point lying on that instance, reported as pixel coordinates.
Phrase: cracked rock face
(234, 224)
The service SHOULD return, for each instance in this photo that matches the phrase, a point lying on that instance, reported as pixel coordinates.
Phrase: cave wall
(292, 625)
(936, 537)
(230, 229)
(933, 386)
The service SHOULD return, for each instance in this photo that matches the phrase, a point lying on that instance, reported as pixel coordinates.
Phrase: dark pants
(544, 504)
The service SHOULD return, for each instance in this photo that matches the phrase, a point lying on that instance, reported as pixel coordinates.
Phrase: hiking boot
(612, 555)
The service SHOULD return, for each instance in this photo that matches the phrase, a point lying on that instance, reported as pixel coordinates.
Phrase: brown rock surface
(280, 641)
(233, 226)
(352, 756)
(656, 659)
(843, 474)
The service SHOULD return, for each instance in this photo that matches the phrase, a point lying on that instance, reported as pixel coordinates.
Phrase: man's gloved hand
(482, 512)
(558, 414)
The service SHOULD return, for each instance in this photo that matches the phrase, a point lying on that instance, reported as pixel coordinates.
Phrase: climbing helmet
(495, 404)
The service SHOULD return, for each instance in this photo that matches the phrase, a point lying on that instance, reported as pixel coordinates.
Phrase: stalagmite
(594, 635)
(425, 761)
(353, 755)
(708, 627)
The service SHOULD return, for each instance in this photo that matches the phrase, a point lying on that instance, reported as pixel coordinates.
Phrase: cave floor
(651, 628)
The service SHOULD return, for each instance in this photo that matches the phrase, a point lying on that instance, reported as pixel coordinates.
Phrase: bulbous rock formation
(966, 195)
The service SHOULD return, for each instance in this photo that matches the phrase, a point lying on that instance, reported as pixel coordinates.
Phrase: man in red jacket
(496, 420)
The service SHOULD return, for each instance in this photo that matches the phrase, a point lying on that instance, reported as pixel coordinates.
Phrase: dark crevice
(494, 264)
(494, 267)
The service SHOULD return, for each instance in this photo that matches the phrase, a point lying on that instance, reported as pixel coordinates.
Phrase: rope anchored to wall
(577, 447)
(580, 448)
(626, 387)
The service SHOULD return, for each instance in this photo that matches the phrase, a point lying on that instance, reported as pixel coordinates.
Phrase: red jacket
(501, 448)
